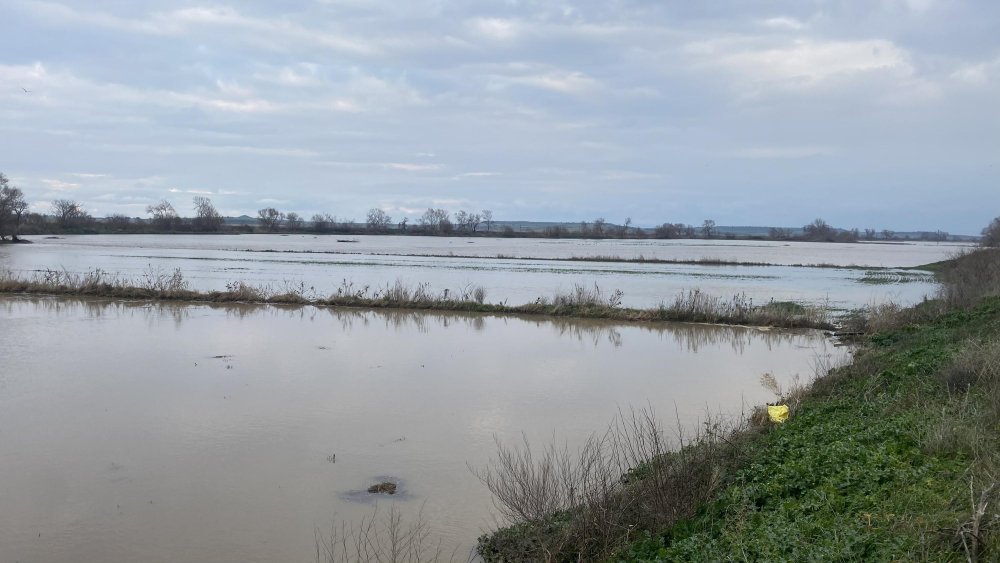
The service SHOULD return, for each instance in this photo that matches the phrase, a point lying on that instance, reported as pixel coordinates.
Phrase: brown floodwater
(163, 432)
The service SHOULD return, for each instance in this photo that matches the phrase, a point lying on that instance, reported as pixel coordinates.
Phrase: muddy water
(136, 432)
(324, 263)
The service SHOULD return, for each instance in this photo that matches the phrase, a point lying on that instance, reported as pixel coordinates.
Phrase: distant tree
(819, 230)
(68, 213)
(467, 221)
(888, 235)
(402, 223)
(378, 220)
(669, 230)
(13, 206)
(598, 227)
(991, 234)
(625, 226)
(163, 215)
(118, 221)
(777, 233)
(270, 218)
(488, 219)
(870, 234)
(555, 231)
(690, 231)
(35, 219)
(852, 235)
(436, 220)
(206, 217)
(462, 220)
(293, 221)
(321, 223)
(708, 228)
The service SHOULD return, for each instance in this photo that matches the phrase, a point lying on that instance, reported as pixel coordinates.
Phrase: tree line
(67, 215)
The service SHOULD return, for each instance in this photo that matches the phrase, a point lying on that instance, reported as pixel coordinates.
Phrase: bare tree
(708, 228)
(819, 230)
(12, 209)
(207, 218)
(488, 219)
(777, 233)
(293, 221)
(468, 221)
(118, 221)
(625, 226)
(669, 230)
(163, 214)
(321, 223)
(402, 223)
(270, 218)
(991, 234)
(67, 212)
(598, 227)
(888, 235)
(436, 220)
(378, 220)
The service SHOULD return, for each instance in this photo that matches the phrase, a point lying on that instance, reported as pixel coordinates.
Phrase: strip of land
(581, 302)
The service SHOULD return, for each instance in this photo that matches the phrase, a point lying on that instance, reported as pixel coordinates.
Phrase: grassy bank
(581, 302)
(895, 457)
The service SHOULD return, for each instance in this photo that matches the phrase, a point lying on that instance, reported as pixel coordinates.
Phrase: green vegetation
(582, 302)
(887, 277)
(895, 457)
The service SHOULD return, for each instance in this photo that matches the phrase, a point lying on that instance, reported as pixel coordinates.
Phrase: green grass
(858, 472)
(887, 277)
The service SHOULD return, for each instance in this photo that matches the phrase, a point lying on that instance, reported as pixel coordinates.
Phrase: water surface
(323, 263)
(145, 432)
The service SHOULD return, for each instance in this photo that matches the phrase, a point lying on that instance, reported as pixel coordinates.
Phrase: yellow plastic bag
(778, 413)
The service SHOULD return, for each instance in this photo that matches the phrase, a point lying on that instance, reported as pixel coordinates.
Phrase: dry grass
(581, 301)
(382, 539)
(970, 277)
(698, 306)
(968, 428)
(583, 505)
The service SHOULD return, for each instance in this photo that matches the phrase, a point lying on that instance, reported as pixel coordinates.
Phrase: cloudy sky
(867, 113)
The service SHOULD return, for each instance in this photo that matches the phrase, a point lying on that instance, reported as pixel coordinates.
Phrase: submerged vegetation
(880, 274)
(893, 457)
(581, 301)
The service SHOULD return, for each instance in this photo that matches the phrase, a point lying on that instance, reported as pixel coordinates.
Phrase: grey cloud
(535, 109)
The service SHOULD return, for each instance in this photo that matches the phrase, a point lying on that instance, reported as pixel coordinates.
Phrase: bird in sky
(26, 91)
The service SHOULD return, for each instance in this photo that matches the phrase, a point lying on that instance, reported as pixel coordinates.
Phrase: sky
(866, 113)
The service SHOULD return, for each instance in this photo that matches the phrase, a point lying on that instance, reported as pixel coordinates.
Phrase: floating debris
(384, 487)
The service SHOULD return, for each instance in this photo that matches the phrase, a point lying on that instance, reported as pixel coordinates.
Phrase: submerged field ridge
(583, 302)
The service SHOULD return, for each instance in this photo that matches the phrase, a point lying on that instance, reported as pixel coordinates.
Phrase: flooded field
(143, 432)
(326, 262)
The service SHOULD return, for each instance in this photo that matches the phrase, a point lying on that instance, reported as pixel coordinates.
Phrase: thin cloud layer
(868, 114)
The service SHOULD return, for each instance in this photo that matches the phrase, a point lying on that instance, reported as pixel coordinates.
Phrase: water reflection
(691, 336)
(130, 428)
